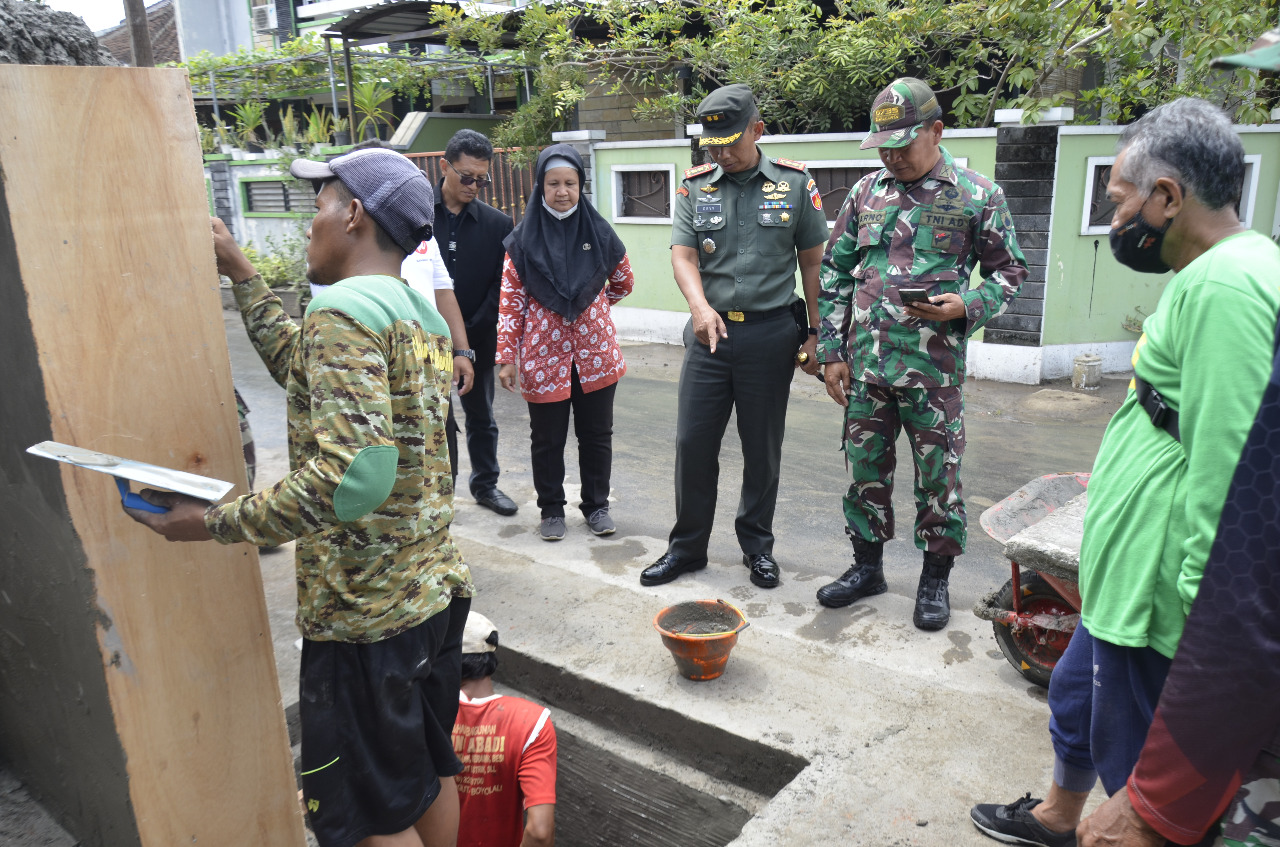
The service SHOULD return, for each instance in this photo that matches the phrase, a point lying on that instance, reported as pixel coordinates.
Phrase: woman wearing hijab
(565, 266)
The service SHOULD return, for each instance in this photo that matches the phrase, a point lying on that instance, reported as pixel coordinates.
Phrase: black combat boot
(864, 579)
(933, 604)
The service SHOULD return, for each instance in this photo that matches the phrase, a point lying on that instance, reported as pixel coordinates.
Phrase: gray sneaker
(1014, 824)
(552, 528)
(600, 523)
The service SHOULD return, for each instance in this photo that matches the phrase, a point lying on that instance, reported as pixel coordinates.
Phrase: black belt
(1152, 401)
(751, 317)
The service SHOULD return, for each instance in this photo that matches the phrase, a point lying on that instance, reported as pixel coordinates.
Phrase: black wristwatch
(466, 354)
(813, 330)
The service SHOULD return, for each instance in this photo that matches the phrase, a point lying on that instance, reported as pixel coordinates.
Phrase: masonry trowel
(123, 470)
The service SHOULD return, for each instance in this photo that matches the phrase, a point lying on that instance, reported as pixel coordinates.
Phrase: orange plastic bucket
(700, 634)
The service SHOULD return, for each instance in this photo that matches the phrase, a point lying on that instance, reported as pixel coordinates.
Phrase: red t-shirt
(508, 749)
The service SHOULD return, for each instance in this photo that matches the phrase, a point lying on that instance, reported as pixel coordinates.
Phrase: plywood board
(104, 197)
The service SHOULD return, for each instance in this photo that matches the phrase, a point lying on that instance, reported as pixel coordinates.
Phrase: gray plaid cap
(392, 189)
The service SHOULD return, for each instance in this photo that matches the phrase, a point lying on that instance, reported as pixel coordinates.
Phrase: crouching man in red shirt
(507, 791)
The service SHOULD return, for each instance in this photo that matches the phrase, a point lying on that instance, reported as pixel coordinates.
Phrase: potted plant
(250, 117)
(368, 97)
(319, 128)
(224, 136)
(283, 265)
(290, 131)
(341, 132)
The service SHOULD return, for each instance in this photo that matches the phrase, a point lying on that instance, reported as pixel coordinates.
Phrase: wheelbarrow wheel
(1032, 650)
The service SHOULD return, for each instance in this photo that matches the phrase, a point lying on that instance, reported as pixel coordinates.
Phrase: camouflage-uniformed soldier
(383, 593)
(741, 225)
(923, 223)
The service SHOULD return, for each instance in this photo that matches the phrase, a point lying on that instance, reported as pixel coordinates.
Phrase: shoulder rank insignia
(789, 163)
(701, 169)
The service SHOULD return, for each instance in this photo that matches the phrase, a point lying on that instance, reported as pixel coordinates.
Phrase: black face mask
(1136, 243)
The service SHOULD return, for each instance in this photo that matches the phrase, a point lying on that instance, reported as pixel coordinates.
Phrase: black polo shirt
(471, 244)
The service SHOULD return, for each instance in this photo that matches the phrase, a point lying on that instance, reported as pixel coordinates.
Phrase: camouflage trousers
(934, 421)
(1253, 819)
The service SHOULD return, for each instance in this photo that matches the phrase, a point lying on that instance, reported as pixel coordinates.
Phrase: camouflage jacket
(929, 237)
(369, 496)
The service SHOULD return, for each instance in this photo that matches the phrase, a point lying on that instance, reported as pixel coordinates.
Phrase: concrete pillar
(224, 205)
(1025, 160)
(584, 141)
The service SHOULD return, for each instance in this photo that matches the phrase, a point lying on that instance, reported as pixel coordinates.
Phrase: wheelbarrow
(1035, 613)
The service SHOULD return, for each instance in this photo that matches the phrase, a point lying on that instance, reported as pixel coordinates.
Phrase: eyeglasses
(467, 179)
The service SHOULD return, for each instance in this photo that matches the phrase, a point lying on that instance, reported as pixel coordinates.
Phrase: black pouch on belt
(800, 312)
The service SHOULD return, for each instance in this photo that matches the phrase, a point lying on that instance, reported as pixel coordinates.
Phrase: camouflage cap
(725, 114)
(1263, 55)
(899, 111)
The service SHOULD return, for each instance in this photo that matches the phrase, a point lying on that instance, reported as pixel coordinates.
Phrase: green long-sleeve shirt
(369, 496)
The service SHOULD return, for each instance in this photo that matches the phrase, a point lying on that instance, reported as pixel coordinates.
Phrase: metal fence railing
(511, 187)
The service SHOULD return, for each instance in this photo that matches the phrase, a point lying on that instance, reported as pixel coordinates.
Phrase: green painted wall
(648, 245)
(1088, 294)
(438, 129)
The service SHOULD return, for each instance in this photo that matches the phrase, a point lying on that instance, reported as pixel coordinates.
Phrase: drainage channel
(632, 772)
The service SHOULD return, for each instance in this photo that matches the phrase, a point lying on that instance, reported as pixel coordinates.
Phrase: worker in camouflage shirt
(383, 594)
(896, 311)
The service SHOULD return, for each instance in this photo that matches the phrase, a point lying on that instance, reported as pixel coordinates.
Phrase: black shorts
(377, 724)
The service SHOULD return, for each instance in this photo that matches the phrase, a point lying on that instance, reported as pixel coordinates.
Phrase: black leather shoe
(854, 584)
(667, 568)
(498, 502)
(764, 570)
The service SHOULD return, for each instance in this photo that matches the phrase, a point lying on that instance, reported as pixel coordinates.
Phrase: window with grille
(1098, 210)
(278, 197)
(643, 193)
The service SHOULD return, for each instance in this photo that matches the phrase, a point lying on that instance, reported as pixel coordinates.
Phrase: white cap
(480, 635)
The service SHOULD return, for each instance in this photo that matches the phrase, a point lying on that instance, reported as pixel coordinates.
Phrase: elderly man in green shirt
(741, 224)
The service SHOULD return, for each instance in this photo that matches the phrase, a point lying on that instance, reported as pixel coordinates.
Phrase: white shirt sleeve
(425, 271)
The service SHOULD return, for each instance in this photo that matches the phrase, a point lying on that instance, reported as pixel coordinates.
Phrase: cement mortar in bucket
(700, 634)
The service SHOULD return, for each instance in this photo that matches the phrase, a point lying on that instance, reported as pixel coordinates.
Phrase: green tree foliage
(812, 73)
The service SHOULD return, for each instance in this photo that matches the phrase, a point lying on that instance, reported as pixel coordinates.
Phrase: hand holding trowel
(177, 514)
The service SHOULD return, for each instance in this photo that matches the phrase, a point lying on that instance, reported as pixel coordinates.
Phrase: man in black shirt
(470, 232)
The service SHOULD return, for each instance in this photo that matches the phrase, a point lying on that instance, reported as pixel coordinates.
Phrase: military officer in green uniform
(741, 224)
(897, 310)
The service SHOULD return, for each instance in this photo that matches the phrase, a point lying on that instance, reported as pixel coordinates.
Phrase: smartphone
(914, 295)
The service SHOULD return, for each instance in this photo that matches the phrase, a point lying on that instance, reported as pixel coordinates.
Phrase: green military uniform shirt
(369, 496)
(747, 231)
(930, 235)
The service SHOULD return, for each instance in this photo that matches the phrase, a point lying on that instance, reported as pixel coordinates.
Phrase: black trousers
(482, 427)
(750, 372)
(549, 432)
